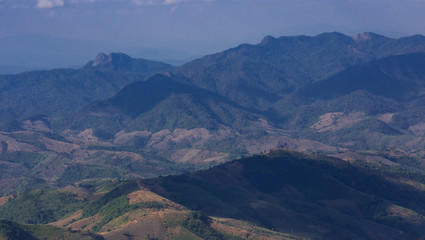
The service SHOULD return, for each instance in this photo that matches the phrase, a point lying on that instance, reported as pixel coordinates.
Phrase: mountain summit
(120, 62)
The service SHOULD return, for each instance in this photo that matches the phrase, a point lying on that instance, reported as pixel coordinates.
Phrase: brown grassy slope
(324, 198)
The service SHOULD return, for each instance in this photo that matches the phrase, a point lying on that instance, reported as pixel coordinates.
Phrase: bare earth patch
(265, 143)
(129, 138)
(189, 155)
(84, 224)
(84, 138)
(406, 214)
(418, 129)
(59, 147)
(14, 146)
(148, 227)
(352, 156)
(66, 221)
(246, 231)
(337, 120)
(147, 196)
(189, 137)
(386, 117)
(3, 200)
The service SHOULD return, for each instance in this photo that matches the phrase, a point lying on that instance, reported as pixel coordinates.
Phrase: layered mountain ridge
(359, 99)
(242, 101)
(255, 75)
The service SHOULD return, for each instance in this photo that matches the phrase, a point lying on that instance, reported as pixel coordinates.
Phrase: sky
(197, 27)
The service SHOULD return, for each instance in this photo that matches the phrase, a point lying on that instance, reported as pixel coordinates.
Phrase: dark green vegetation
(157, 104)
(77, 173)
(310, 195)
(257, 75)
(56, 92)
(396, 77)
(13, 231)
(39, 207)
(110, 210)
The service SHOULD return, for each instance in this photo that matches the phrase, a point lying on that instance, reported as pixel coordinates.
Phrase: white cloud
(59, 3)
(81, 1)
(49, 3)
(164, 2)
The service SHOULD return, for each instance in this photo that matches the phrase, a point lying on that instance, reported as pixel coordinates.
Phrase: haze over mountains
(31, 52)
(359, 99)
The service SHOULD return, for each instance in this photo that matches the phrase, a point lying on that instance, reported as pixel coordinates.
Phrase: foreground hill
(55, 92)
(257, 75)
(308, 195)
(120, 211)
(298, 196)
(13, 231)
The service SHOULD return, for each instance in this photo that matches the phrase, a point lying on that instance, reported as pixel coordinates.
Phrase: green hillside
(256, 75)
(398, 77)
(157, 104)
(278, 195)
(310, 195)
(13, 231)
(55, 92)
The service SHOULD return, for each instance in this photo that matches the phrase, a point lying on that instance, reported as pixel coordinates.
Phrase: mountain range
(325, 93)
(55, 92)
(257, 75)
(35, 51)
(358, 100)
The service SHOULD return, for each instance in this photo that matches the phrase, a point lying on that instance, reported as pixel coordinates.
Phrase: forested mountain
(157, 104)
(256, 75)
(55, 92)
(400, 77)
(186, 116)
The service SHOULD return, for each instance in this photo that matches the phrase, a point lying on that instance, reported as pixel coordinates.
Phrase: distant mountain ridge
(55, 92)
(255, 75)
(117, 111)
(120, 62)
(400, 77)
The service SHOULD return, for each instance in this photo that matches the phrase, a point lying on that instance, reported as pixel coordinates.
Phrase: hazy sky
(201, 26)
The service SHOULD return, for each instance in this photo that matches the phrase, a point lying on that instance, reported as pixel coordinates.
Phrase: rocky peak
(120, 62)
(267, 40)
(367, 36)
(101, 59)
